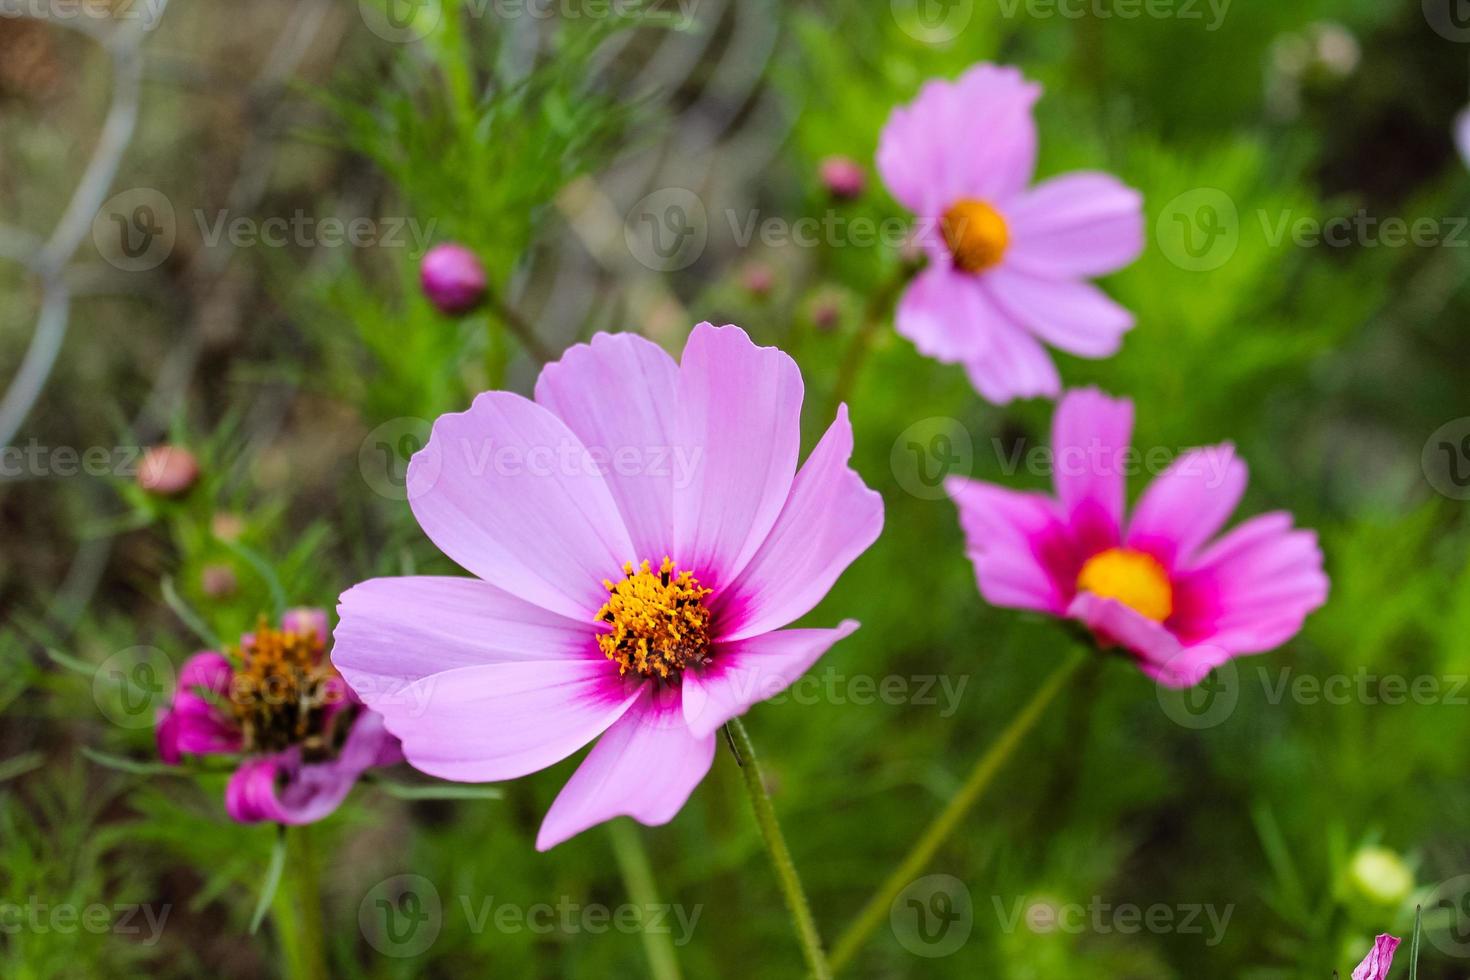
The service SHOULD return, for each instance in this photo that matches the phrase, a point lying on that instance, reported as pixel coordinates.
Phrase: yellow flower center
(1133, 578)
(975, 233)
(282, 686)
(660, 624)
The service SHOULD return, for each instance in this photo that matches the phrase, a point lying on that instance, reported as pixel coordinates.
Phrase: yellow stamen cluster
(660, 624)
(283, 683)
(976, 234)
(1133, 578)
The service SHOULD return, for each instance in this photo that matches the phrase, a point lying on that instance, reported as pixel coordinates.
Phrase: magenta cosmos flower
(640, 534)
(276, 701)
(1154, 583)
(1008, 263)
(1375, 965)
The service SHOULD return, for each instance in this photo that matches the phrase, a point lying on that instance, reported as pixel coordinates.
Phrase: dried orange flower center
(660, 624)
(975, 233)
(282, 687)
(1133, 578)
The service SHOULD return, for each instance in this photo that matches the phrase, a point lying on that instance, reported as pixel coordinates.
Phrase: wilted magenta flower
(1155, 583)
(1375, 965)
(453, 278)
(843, 177)
(167, 471)
(1008, 263)
(276, 701)
(639, 535)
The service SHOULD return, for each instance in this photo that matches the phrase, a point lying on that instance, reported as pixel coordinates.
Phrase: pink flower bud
(167, 471)
(843, 177)
(453, 278)
(826, 310)
(218, 581)
(757, 279)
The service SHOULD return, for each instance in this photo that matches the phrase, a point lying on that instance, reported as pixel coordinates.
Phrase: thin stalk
(298, 911)
(785, 868)
(980, 778)
(637, 874)
(876, 313)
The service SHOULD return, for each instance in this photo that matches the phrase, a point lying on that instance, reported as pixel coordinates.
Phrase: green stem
(879, 307)
(786, 876)
(638, 879)
(298, 910)
(980, 778)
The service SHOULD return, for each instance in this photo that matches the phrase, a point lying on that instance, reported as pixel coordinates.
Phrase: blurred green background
(1280, 817)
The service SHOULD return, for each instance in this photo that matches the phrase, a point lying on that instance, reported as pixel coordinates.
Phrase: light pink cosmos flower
(1008, 263)
(1375, 965)
(640, 534)
(1154, 583)
(276, 701)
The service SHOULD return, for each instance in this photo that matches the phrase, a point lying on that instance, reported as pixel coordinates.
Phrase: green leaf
(1414, 946)
(440, 791)
(265, 571)
(187, 615)
(272, 881)
(135, 767)
(21, 764)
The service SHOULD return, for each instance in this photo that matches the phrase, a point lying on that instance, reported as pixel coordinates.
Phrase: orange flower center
(282, 686)
(976, 234)
(1133, 578)
(660, 624)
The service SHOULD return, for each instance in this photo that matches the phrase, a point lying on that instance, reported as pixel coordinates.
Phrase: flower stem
(879, 307)
(786, 876)
(986, 768)
(298, 910)
(638, 879)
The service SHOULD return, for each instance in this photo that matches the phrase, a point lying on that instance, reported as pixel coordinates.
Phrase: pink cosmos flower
(1375, 965)
(276, 701)
(1008, 263)
(1154, 583)
(639, 535)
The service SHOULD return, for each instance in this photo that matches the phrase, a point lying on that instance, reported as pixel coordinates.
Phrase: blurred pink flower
(639, 535)
(1008, 263)
(1155, 583)
(1375, 965)
(843, 177)
(167, 471)
(453, 278)
(278, 703)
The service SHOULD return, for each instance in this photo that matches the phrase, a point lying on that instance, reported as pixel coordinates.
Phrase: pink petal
(1023, 554)
(504, 720)
(393, 632)
(1160, 653)
(1376, 964)
(644, 767)
(748, 671)
(1075, 226)
(947, 315)
(739, 418)
(1090, 435)
(1013, 366)
(974, 137)
(195, 722)
(1187, 504)
(1250, 591)
(1073, 316)
(250, 796)
(507, 491)
(830, 518)
(618, 395)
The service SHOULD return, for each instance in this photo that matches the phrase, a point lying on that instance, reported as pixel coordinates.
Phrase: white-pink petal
(947, 315)
(645, 767)
(1071, 315)
(510, 493)
(1014, 365)
(1075, 226)
(830, 518)
(739, 419)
